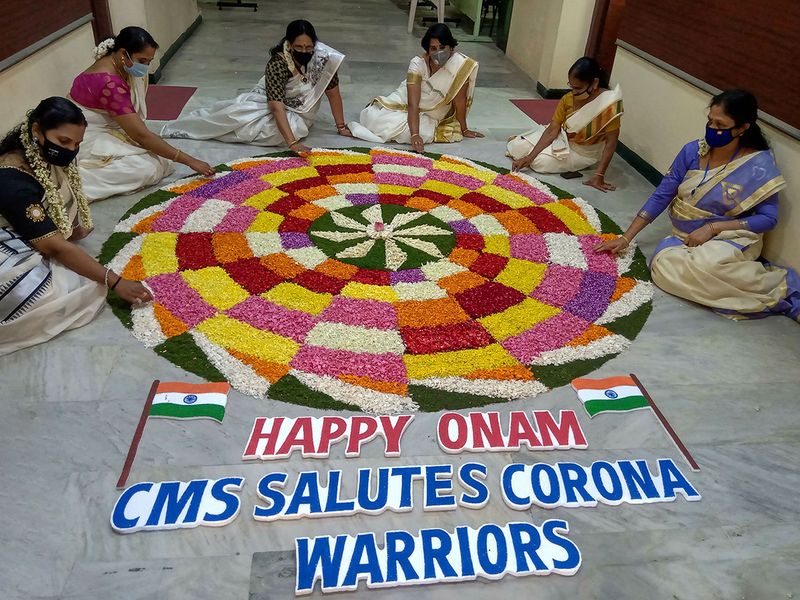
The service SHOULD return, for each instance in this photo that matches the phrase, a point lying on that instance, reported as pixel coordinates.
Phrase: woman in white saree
(281, 108)
(432, 104)
(48, 284)
(583, 132)
(119, 154)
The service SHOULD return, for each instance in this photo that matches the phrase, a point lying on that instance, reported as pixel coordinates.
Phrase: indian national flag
(190, 400)
(617, 394)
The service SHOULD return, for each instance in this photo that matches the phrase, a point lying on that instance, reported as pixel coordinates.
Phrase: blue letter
(508, 492)
(673, 479)
(275, 497)
(523, 550)
(333, 504)
(365, 545)
(437, 555)
(168, 498)
(406, 484)
(232, 502)
(119, 521)
(554, 496)
(487, 565)
(573, 561)
(474, 484)
(305, 492)
(576, 484)
(615, 494)
(364, 480)
(395, 557)
(638, 480)
(433, 485)
(307, 565)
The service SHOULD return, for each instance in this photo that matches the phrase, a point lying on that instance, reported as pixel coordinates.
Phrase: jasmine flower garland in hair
(52, 197)
(103, 48)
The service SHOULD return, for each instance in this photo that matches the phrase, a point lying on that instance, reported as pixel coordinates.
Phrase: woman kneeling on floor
(584, 130)
(48, 284)
(431, 105)
(722, 194)
(283, 105)
(120, 154)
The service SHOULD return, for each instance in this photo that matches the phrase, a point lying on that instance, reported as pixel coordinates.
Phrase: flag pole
(667, 427)
(126, 469)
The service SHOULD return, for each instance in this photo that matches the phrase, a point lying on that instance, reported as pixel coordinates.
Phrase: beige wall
(48, 72)
(165, 20)
(547, 36)
(662, 113)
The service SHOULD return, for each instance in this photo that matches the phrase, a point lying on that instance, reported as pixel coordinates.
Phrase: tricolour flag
(617, 394)
(190, 400)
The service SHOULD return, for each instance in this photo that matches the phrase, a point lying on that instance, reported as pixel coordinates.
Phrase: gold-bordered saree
(386, 117)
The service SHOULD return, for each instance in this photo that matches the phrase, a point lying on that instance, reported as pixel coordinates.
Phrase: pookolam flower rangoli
(377, 279)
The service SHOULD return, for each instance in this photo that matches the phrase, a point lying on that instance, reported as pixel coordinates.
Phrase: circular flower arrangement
(377, 279)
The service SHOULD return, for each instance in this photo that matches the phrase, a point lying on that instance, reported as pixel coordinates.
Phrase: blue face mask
(716, 138)
(136, 69)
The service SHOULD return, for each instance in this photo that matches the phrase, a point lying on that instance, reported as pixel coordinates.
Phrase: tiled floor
(70, 406)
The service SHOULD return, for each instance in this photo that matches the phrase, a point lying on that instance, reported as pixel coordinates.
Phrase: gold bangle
(622, 235)
(177, 154)
(417, 135)
(292, 143)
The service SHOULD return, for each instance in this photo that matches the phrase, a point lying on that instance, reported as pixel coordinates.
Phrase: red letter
(258, 433)
(520, 429)
(567, 431)
(359, 434)
(330, 433)
(305, 442)
(446, 441)
(393, 429)
(486, 429)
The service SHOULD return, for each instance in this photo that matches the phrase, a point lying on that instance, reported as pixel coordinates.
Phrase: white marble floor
(70, 406)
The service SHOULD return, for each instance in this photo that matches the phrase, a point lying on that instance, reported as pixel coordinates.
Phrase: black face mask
(58, 155)
(303, 58)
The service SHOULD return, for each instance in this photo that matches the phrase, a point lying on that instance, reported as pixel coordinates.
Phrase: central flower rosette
(382, 236)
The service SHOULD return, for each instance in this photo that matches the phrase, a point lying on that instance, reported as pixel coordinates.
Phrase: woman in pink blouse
(119, 154)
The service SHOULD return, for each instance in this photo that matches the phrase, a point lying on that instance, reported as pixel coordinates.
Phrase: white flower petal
(346, 222)
(373, 213)
(426, 247)
(401, 219)
(339, 236)
(422, 230)
(395, 257)
(356, 251)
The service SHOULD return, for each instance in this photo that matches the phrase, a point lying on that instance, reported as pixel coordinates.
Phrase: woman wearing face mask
(48, 284)
(431, 105)
(584, 130)
(282, 107)
(722, 194)
(120, 154)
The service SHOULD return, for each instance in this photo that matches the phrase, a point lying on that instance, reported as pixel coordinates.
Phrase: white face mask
(440, 57)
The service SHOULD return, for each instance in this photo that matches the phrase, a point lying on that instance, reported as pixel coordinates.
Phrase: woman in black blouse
(283, 105)
(48, 284)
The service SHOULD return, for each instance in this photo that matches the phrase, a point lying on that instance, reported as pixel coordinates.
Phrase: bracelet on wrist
(177, 154)
(622, 235)
(292, 143)
(340, 127)
(119, 278)
(416, 135)
(105, 277)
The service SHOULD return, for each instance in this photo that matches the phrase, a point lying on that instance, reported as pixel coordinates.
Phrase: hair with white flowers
(103, 48)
